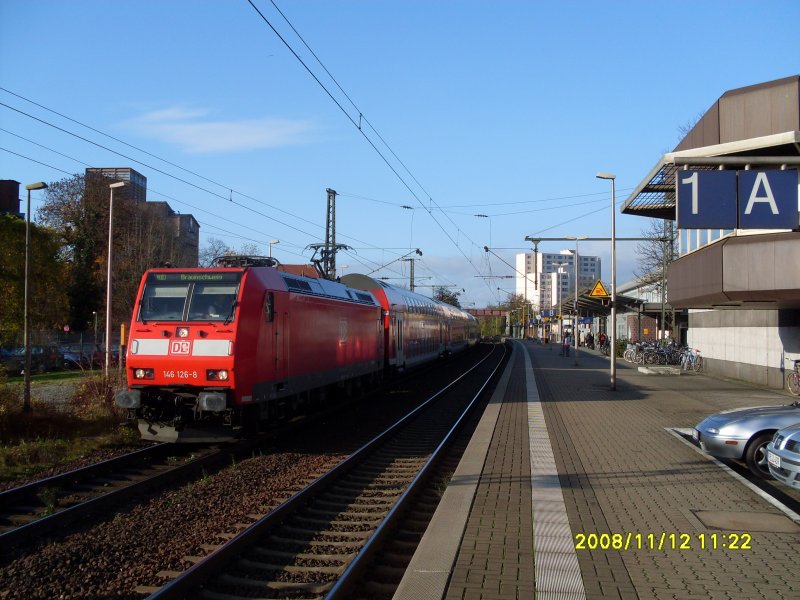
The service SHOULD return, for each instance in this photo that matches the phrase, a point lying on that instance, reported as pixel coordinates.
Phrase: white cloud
(194, 132)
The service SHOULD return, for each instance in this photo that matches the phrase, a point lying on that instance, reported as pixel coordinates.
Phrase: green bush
(48, 435)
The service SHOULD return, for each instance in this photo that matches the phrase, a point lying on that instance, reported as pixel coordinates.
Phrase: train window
(269, 307)
(213, 302)
(163, 302)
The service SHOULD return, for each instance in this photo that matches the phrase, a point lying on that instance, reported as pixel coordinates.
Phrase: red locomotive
(213, 352)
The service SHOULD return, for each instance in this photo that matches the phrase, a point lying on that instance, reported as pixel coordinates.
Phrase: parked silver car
(743, 433)
(783, 456)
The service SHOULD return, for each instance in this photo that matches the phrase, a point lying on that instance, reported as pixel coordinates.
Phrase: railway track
(43, 506)
(318, 543)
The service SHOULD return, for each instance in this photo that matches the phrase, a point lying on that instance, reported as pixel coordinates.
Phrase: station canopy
(595, 307)
(655, 195)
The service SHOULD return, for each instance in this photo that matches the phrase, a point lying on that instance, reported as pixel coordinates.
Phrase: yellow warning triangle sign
(599, 291)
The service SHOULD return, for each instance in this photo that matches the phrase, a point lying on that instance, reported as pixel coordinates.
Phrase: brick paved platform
(559, 455)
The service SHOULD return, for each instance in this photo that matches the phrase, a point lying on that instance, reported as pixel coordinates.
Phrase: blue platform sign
(738, 199)
(706, 199)
(768, 200)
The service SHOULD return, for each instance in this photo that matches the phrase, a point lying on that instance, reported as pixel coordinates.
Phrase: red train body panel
(213, 352)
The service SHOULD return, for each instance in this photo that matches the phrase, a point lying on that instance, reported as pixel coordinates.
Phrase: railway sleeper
(342, 522)
(347, 512)
(353, 484)
(284, 541)
(248, 564)
(269, 552)
(314, 588)
(377, 470)
(387, 473)
(19, 520)
(355, 503)
(312, 533)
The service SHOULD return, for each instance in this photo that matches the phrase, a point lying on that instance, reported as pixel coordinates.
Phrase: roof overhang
(754, 271)
(655, 195)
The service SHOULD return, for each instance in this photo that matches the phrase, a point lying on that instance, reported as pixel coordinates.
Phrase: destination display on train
(193, 277)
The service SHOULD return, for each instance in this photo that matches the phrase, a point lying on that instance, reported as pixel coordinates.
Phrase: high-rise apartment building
(551, 276)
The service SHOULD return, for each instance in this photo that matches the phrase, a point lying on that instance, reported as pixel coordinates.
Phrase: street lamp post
(271, 244)
(613, 340)
(108, 272)
(558, 267)
(26, 397)
(575, 328)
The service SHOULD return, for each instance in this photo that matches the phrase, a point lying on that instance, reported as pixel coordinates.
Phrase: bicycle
(692, 360)
(793, 379)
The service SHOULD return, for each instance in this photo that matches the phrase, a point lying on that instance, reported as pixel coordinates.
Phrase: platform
(560, 461)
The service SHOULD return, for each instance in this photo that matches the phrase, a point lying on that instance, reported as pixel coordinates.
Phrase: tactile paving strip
(556, 564)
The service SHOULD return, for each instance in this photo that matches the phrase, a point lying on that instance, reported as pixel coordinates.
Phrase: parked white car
(783, 456)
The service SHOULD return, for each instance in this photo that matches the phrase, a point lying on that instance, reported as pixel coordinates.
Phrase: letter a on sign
(768, 199)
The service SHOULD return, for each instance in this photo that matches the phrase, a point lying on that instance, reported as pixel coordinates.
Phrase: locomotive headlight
(143, 374)
(182, 332)
(217, 375)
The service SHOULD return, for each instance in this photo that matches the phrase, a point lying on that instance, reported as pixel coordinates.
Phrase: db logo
(180, 347)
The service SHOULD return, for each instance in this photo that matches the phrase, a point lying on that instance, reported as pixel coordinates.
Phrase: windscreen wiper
(229, 318)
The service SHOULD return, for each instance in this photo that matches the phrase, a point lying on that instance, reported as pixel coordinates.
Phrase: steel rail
(12, 495)
(344, 584)
(18, 535)
(213, 563)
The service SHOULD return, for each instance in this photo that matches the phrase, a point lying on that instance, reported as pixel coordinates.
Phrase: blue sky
(502, 108)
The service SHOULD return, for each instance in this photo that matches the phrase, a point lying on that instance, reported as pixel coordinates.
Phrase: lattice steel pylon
(329, 255)
(326, 263)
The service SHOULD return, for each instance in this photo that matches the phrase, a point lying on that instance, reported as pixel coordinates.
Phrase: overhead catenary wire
(224, 186)
(228, 198)
(161, 194)
(366, 137)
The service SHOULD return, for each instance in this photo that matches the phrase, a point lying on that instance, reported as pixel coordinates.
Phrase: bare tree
(442, 294)
(658, 252)
(143, 237)
(655, 256)
(213, 249)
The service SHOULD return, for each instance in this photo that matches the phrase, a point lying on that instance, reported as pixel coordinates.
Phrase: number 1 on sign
(692, 180)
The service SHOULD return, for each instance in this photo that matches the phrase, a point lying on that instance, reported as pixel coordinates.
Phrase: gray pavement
(670, 515)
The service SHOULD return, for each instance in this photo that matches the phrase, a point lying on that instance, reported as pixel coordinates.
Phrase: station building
(738, 272)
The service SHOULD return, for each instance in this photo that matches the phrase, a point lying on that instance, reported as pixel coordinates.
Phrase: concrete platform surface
(571, 490)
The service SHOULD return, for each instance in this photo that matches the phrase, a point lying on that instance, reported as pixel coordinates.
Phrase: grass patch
(54, 376)
(48, 436)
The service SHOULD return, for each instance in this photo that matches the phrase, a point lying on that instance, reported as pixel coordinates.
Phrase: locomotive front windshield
(190, 297)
